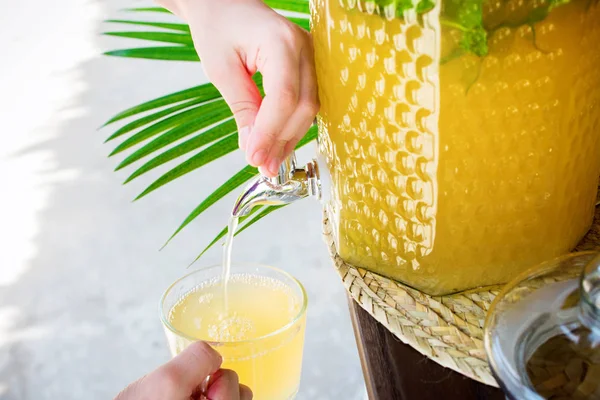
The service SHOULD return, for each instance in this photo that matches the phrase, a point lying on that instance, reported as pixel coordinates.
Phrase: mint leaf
(475, 41)
(402, 6)
(556, 3)
(425, 6)
(538, 14)
(467, 17)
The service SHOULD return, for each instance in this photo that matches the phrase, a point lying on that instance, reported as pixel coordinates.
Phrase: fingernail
(258, 157)
(243, 135)
(263, 171)
(274, 166)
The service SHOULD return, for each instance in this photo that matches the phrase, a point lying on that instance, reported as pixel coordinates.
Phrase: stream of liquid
(258, 320)
(231, 228)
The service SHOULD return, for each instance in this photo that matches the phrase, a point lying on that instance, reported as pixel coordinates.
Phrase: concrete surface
(80, 270)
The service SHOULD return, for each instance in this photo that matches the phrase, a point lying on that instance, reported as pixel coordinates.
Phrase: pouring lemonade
(253, 315)
(261, 332)
(462, 140)
(260, 336)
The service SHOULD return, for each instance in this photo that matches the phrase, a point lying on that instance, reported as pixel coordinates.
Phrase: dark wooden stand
(395, 371)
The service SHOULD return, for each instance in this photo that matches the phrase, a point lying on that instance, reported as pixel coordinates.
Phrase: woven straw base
(446, 329)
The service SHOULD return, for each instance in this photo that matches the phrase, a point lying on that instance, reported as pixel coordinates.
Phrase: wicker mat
(446, 329)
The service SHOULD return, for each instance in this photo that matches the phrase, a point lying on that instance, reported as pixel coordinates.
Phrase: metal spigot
(291, 184)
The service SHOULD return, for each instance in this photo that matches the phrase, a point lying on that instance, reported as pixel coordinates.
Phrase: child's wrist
(198, 8)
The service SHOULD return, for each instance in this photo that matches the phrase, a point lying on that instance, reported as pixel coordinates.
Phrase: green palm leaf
(164, 37)
(152, 117)
(255, 215)
(303, 23)
(168, 53)
(185, 52)
(149, 9)
(299, 6)
(264, 211)
(223, 232)
(241, 177)
(217, 150)
(311, 135)
(234, 182)
(204, 92)
(163, 25)
(181, 131)
(197, 141)
(185, 117)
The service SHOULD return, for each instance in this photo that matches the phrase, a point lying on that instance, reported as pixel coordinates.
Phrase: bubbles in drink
(205, 298)
(230, 328)
(261, 334)
(197, 322)
(257, 306)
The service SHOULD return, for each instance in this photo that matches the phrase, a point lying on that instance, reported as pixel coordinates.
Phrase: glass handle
(589, 303)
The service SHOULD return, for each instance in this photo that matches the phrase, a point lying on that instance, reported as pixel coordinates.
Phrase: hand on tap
(237, 38)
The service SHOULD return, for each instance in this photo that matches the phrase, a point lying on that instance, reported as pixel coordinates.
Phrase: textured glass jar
(459, 155)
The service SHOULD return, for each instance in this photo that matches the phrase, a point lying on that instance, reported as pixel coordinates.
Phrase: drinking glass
(270, 364)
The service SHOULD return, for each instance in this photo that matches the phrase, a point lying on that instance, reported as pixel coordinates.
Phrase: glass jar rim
(165, 320)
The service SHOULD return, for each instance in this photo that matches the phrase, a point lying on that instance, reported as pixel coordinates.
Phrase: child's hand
(236, 38)
(185, 378)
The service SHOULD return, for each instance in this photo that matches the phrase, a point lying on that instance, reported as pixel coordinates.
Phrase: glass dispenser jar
(462, 137)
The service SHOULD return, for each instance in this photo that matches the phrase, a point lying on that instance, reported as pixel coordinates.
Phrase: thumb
(181, 376)
(240, 92)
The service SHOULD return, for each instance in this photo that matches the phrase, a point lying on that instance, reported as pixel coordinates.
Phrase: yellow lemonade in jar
(260, 336)
(461, 151)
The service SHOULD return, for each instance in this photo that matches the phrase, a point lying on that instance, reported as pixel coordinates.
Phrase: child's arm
(235, 39)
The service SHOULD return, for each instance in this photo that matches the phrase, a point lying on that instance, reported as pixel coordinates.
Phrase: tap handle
(290, 184)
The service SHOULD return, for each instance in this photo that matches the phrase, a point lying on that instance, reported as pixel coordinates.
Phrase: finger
(309, 103)
(281, 82)
(183, 374)
(289, 146)
(303, 116)
(224, 385)
(238, 89)
(245, 393)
